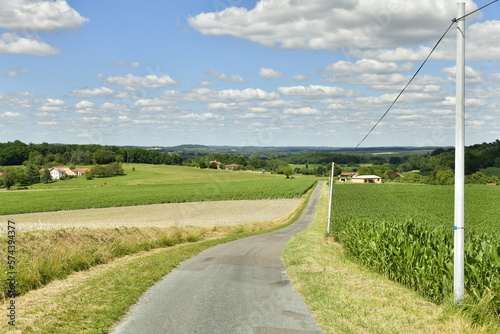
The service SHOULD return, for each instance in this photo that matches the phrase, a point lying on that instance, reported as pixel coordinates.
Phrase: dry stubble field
(216, 213)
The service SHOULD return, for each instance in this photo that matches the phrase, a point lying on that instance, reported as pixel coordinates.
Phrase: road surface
(234, 288)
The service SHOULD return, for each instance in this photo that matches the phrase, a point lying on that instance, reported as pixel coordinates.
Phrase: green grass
(346, 297)
(491, 171)
(113, 196)
(157, 174)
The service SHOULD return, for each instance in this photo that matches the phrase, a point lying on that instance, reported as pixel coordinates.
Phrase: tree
(32, 174)
(46, 176)
(115, 168)
(287, 171)
(9, 177)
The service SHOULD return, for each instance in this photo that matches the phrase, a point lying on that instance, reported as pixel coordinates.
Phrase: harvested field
(171, 214)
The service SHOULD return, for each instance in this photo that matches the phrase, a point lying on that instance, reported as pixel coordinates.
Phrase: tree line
(18, 153)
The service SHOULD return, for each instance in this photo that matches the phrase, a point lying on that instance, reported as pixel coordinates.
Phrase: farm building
(231, 166)
(59, 171)
(366, 179)
(81, 171)
(345, 176)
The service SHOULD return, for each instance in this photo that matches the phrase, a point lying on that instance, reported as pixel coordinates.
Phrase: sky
(244, 72)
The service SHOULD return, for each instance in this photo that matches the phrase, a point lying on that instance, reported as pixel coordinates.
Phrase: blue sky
(241, 72)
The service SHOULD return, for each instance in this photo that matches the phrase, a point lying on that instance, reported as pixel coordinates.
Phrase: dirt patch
(171, 214)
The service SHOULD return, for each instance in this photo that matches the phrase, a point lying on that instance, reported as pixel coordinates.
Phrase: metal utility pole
(330, 201)
(458, 278)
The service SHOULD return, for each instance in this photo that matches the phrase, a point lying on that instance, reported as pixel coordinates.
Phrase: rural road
(234, 288)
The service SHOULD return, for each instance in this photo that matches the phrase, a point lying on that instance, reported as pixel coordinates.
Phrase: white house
(366, 179)
(57, 172)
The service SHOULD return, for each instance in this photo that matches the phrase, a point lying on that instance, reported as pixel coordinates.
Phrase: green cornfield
(406, 233)
(114, 196)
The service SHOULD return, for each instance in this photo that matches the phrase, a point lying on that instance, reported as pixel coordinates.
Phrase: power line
(458, 19)
(409, 82)
(413, 77)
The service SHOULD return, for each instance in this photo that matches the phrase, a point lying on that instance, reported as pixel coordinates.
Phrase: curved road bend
(234, 288)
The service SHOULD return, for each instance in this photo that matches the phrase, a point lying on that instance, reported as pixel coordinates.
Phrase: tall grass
(45, 256)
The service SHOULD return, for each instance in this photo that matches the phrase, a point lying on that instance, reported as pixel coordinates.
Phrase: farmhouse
(366, 179)
(59, 171)
(231, 166)
(345, 176)
(81, 171)
(215, 162)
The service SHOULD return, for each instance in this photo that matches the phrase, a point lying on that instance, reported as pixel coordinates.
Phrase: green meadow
(152, 185)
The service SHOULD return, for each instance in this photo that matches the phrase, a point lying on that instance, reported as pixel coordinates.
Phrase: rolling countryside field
(152, 184)
(50, 254)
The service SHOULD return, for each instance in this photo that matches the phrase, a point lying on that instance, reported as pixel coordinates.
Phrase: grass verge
(92, 301)
(347, 298)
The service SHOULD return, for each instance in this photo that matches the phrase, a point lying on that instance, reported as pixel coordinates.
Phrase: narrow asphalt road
(234, 288)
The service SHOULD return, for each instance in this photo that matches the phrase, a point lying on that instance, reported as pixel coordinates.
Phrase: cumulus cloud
(96, 92)
(132, 82)
(32, 16)
(224, 77)
(14, 43)
(84, 104)
(315, 91)
(26, 18)
(323, 24)
(269, 73)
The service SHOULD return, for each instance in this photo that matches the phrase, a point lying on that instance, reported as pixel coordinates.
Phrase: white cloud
(367, 66)
(472, 76)
(314, 91)
(132, 82)
(48, 123)
(203, 117)
(84, 104)
(45, 114)
(135, 64)
(224, 77)
(27, 15)
(96, 92)
(269, 73)
(13, 43)
(10, 114)
(53, 102)
(151, 102)
(299, 77)
(323, 24)
(304, 111)
(30, 17)
(227, 95)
